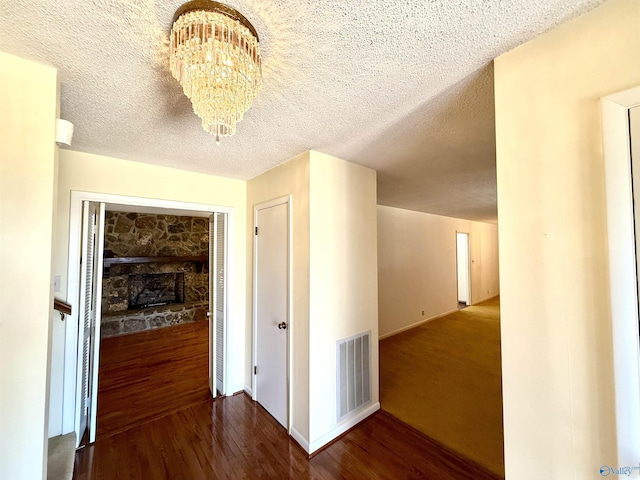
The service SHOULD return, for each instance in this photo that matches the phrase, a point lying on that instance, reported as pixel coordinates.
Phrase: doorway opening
(463, 268)
(169, 289)
(620, 133)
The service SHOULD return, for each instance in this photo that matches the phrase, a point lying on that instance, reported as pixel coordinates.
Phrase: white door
(462, 255)
(89, 326)
(219, 275)
(95, 322)
(271, 312)
(217, 302)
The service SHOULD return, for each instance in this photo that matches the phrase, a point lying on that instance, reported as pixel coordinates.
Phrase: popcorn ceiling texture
(402, 86)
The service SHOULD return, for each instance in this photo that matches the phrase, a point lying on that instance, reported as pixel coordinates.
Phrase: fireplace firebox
(151, 290)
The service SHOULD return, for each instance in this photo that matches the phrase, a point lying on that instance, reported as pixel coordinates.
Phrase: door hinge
(255, 369)
(256, 230)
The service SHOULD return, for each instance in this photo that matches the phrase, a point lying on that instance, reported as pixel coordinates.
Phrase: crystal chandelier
(216, 58)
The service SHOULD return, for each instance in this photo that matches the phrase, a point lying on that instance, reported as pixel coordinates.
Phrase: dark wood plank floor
(146, 375)
(157, 421)
(236, 438)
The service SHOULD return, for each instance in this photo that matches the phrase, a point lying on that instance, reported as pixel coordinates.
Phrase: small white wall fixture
(64, 132)
(622, 271)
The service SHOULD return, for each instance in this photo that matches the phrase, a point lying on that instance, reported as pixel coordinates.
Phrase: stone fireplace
(155, 272)
(155, 289)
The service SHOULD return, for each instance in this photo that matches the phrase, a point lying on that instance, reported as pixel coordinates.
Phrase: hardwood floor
(156, 420)
(146, 375)
(236, 438)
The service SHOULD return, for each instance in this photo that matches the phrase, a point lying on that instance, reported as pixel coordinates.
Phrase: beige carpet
(62, 451)
(444, 378)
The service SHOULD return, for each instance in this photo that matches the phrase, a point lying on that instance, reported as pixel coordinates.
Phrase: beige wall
(333, 279)
(99, 174)
(417, 266)
(343, 267)
(27, 177)
(290, 178)
(556, 329)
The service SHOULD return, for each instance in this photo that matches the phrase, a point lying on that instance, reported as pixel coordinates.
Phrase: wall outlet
(423, 313)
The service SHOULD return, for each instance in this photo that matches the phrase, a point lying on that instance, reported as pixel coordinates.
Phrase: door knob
(282, 326)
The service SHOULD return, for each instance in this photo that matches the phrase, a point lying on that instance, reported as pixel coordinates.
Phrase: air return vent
(354, 377)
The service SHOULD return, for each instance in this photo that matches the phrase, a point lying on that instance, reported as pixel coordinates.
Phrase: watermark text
(606, 470)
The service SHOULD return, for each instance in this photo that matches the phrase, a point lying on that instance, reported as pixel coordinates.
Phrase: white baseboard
(340, 429)
(247, 390)
(298, 437)
(233, 389)
(417, 324)
(489, 297)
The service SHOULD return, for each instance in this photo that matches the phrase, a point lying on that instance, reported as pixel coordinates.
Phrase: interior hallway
(157, 421)
(444, 378)
(235, 438)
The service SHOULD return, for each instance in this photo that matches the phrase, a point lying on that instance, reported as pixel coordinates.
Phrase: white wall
(343, 287)
(290, 178)
(333, 280)
(99, 174)
(417, 266)
(27, 175)
(559, 416)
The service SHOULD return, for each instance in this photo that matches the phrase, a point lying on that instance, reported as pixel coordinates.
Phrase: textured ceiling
(405, 87)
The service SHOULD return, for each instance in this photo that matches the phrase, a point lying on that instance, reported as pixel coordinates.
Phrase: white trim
(622, 271)
(80, 422)
(212, 319)
(97, 319)
(228, 306)
(485, 299)
(73, 286)
(417, 324)
(628, 98)
(225, 285)
(284, 200)
(272, 203)
(343, 427)
(298, 437)
(290, 324)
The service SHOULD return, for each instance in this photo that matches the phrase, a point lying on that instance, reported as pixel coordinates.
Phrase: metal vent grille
(354, 377)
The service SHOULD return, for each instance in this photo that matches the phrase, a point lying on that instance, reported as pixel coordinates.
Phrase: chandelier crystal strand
(217, 61)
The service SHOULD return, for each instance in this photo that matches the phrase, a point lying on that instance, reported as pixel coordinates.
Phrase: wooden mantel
(198, 259)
